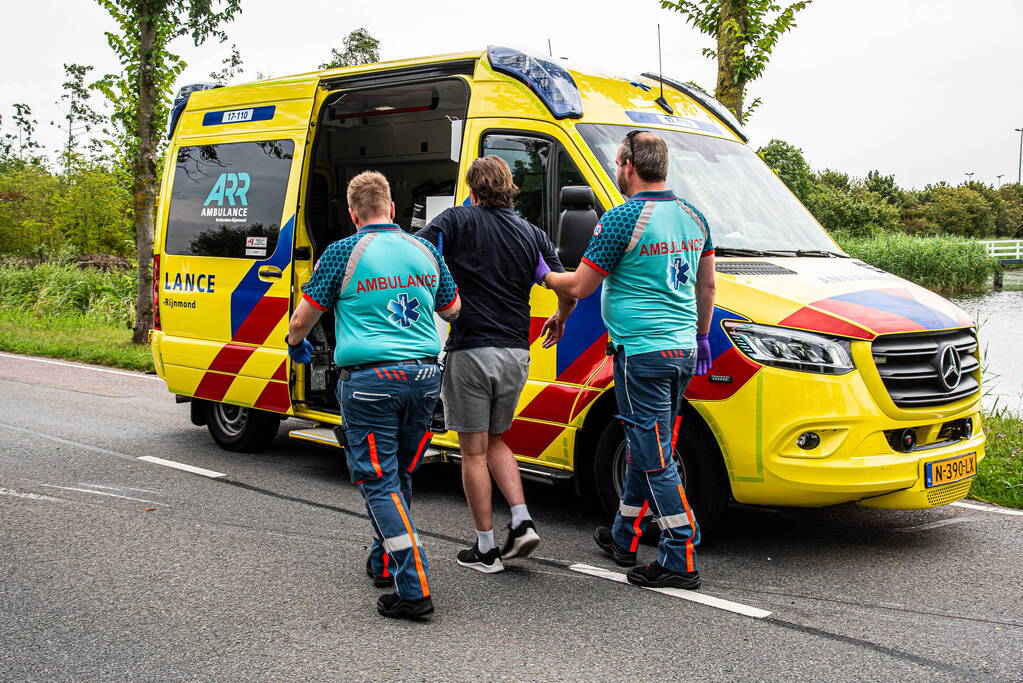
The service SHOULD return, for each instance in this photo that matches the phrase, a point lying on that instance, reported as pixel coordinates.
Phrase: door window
(529, 160)
(227, 199)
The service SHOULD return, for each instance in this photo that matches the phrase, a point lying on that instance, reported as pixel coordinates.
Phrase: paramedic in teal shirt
(384, 286)
(655, 258)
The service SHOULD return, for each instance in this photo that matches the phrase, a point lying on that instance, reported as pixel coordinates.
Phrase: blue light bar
(708, 101)
(550, 81)
(182, 99)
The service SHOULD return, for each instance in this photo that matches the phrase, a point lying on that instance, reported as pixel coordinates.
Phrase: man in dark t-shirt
(494, 257)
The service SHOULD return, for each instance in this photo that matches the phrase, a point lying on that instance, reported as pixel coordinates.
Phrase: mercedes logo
(951, 367)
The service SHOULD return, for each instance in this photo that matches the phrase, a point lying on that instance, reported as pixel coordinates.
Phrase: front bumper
(759, 425)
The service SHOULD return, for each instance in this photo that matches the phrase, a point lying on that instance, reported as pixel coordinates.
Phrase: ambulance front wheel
(699, 465)
(239, 429)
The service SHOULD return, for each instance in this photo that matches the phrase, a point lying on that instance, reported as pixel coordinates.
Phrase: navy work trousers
(649, 389)
(387, 414)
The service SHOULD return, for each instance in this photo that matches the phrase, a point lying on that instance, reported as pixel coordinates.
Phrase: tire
(699, 465)
(242, 430)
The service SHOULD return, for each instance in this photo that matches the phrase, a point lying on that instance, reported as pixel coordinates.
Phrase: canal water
(999, 316)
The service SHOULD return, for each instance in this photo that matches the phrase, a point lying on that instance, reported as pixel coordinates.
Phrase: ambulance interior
(411, 133)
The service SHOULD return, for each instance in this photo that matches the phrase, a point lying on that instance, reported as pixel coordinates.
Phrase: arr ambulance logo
(232, 188)
(403, 311)
(677, 273)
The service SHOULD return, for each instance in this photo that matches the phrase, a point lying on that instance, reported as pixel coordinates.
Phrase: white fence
(1004, 250)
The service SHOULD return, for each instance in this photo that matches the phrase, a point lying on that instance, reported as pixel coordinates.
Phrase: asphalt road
(114, 568)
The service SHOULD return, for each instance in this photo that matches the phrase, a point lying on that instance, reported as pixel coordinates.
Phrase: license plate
(947, 471)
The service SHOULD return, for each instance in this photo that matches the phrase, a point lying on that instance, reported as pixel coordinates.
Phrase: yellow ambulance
(832, 380)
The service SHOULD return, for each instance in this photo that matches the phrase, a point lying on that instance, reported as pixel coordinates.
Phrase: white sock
(519, 514)
(485, 540)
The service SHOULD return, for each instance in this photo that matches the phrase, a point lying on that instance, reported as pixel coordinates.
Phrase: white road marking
(115, 488)
(182, 466)
(98, 493)
(692, 596)
(989, 508)
(78, 365)
(28, 496)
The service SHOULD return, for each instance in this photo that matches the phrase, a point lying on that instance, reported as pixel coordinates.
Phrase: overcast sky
(925, 89)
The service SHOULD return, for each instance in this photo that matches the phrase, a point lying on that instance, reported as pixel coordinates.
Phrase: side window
(227, 199)
(529, 159)
(568, 172)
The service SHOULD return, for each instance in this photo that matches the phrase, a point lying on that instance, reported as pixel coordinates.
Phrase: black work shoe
(623, 558)
(390, 605)
(488, 562)
(655, 576)
(378, 581)
(522, 540)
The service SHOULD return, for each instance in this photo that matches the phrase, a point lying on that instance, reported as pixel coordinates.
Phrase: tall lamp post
(1000, 179)
(969, 176)
(1019, 170)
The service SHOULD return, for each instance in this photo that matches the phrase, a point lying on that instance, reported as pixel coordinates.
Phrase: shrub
(55, 289)
(958, 210)
(945, 264)
(859, 212)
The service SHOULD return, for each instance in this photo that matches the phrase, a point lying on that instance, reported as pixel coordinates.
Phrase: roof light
(550, 81)
(718, 109)
(182, 99)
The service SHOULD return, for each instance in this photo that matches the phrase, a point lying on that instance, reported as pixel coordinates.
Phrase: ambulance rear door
(226, 270)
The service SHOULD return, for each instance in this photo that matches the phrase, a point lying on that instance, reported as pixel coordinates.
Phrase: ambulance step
(319, 435)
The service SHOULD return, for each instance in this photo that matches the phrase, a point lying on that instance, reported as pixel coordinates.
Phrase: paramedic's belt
(428, 360)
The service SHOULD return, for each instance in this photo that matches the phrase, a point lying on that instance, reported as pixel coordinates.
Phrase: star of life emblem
(403, 310)
(677, 273)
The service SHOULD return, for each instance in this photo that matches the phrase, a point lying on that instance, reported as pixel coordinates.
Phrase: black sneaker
(390, 605)
(488, 562)
(622, 557)
(522, 540)
(655, 576)
(378, 581)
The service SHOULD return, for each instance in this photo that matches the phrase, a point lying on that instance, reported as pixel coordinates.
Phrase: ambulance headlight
(791, 349)
(550, 81)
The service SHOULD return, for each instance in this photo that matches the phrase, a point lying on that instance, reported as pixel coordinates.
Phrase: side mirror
(575, 223)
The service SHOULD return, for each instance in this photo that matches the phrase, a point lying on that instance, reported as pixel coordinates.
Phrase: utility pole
(1019, 171)
(999, 179)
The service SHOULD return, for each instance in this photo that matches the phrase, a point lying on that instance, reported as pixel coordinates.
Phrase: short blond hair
(369, 195)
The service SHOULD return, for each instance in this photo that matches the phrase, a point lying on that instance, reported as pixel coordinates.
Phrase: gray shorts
(481, 388)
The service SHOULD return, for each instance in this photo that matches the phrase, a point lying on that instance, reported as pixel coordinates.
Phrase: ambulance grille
(949, 493)
(910, 366)
(750, 268)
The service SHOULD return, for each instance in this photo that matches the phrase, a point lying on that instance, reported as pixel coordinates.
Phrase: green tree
(359, 47)
(79, 116)
(885, 187)
(789, 163)
(857, 212)
(1009, 222)
(230, 67)
(746, 32)
(958, 210)
(140, 98)
(19, 146)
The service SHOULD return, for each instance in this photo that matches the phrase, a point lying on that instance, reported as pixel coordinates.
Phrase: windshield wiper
(818, 252)
(739, 251)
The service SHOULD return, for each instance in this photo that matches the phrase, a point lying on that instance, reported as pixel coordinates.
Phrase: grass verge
(72, 336)
(1000, 475)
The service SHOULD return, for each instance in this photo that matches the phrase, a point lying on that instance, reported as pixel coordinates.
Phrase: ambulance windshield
(746, 204)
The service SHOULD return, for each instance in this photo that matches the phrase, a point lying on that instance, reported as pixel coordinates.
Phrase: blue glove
(301, 352)
(541, 270)
(703, 358)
